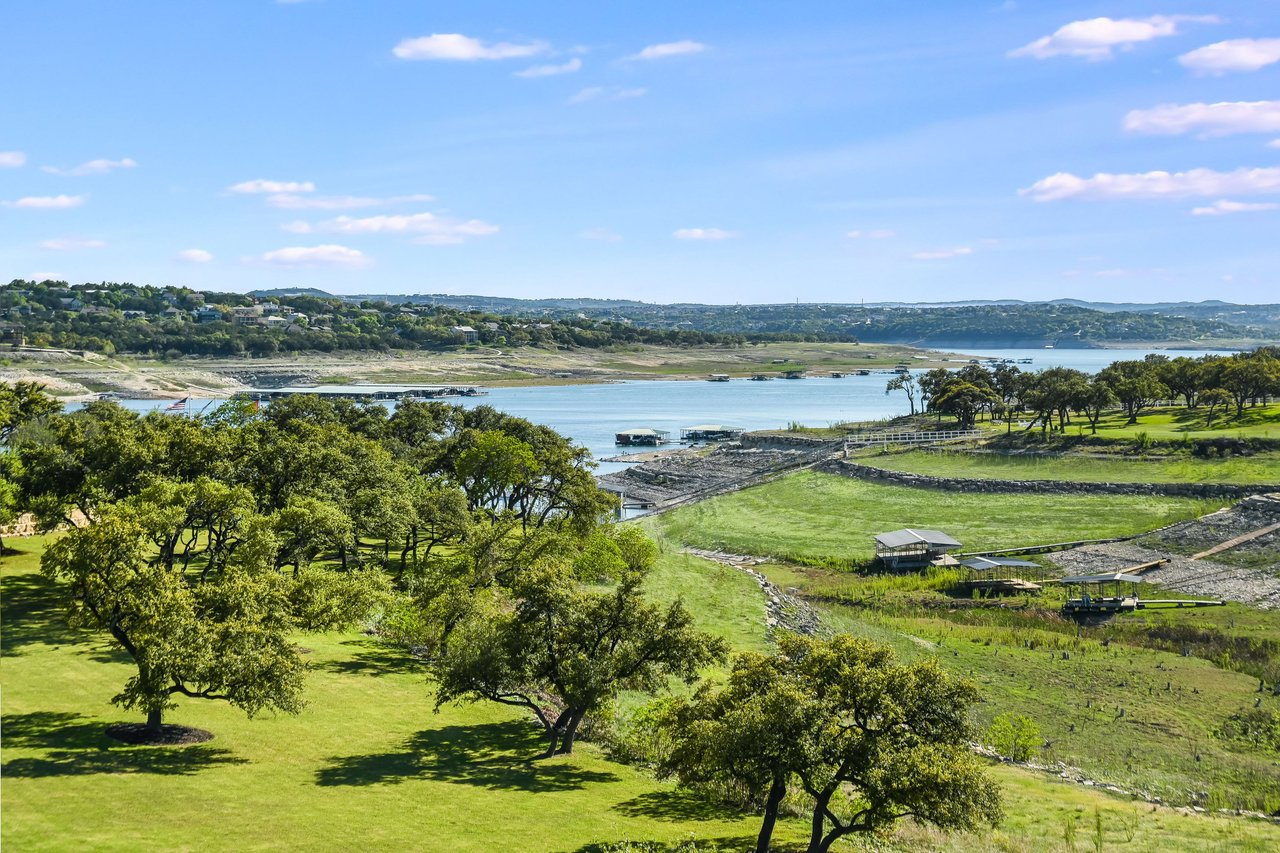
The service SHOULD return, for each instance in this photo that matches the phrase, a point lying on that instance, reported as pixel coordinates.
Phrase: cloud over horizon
(703, 234)
(1210, 120)
(1222, 207)
(1096, 39)
(92, 167)
(12, 159)
(328, 255)
(46, 202)
(1232, 55)
(430, 229)
(260, 186)
(195, 256)
(551, 70)
(1155, 185)
(667, 49)
(455, 47)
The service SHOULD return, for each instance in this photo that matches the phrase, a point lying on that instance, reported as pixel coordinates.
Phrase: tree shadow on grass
(75, 745)
(493, 755)
(369, 657)
(32, 615)
(726, 843)
(676, 805)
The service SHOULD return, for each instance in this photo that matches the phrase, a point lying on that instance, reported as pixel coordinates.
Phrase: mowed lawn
(369, 765)
(1176, 422)
(1261, 468)
(827, 519)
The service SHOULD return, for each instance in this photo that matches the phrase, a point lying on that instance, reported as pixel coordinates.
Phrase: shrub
(1014, 736)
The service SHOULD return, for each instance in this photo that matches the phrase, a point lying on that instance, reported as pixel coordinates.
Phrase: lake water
(592, 414)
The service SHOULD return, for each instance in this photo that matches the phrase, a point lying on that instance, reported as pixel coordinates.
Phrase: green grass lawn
(369, 765)
(826, 519)
(1260, 468)
(1181, 422)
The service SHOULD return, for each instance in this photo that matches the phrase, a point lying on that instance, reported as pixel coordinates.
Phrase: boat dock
(364, 392)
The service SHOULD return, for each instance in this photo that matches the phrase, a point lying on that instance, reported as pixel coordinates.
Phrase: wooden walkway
(1239, 540)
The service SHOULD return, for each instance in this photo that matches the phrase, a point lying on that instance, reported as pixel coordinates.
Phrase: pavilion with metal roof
(913, 547)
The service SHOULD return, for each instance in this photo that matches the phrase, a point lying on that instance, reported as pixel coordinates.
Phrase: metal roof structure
(908, 536)
(643, 431)
(712, 428)
(1109, 577)
(984, 563)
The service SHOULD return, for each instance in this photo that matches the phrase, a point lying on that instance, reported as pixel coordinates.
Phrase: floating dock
(364, 392)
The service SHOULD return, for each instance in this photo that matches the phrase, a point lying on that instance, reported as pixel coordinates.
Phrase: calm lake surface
(592, 414)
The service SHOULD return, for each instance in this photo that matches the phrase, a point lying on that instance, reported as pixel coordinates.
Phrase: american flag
(177, 405)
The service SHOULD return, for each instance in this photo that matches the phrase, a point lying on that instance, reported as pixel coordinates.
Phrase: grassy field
(830, 520)
(1260, 468)
(1180, 422)
(369, 765)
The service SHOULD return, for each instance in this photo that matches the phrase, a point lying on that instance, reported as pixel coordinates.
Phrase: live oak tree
(225, 636)
(184, 577)
(563, 649)
(867, 740)
(906, 383)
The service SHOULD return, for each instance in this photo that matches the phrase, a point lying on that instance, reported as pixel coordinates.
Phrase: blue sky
(716, 152)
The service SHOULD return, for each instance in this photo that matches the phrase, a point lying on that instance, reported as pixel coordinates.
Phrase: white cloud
(1232, 55)
(12, 159)
(606, 93)
(1222, 207)
(68, 244)
(1096, 38)
(260, 186)
(551, 70)
(93, 167)
(43, 276)
(703, 234)
(46, 202)
(195, 256)
(430, 229)
(1146, 185)
(671, 48)
(1220, 119)
(1275, 143)
(292, 201)
(454, 47)
(317, 256)
(942, 254)
(602, 234)
(874, 234)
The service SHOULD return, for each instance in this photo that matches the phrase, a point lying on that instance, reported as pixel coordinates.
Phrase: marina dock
(364, 392)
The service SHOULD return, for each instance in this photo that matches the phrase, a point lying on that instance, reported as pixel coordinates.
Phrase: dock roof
(984, 563)
(908, 536)
(642, 431)
(1107, 577)
(712, 428)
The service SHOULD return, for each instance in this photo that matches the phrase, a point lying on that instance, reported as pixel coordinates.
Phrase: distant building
(134, 314)
(469, 335)
(207, 314)
(70, 303)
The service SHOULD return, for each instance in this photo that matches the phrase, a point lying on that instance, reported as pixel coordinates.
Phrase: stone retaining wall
(1049, 487)
(773, 441)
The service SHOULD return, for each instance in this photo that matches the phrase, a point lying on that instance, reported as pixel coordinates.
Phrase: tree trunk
(154, 719)
(777, 791)
(570, 731)
(819, 823)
